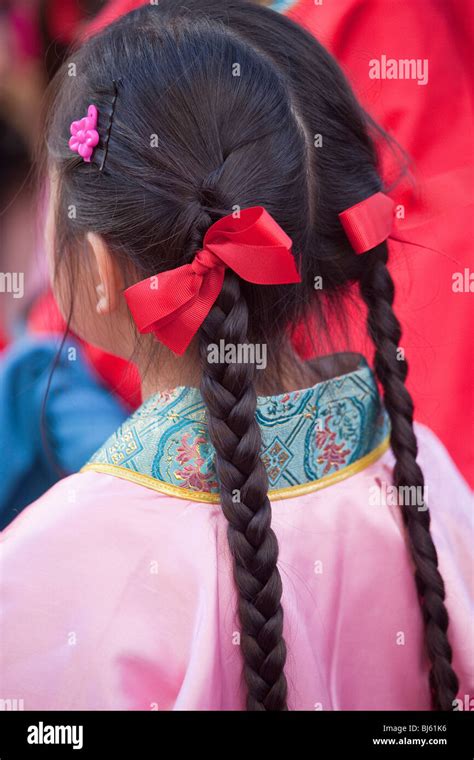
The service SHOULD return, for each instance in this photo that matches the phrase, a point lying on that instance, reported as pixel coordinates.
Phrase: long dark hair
(234, 94)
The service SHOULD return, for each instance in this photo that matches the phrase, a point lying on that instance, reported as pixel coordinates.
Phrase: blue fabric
(80, 415)
(306, 434)
(281, 6)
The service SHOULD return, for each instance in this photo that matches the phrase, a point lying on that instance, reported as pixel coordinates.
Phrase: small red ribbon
(174, 304)
(369, 222)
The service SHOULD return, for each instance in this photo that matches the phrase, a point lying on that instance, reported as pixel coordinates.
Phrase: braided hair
(377, 289)
(236, 94)
(229, 394)
(228, 391)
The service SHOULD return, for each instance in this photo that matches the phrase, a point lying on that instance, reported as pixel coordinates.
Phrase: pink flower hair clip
(84, 133)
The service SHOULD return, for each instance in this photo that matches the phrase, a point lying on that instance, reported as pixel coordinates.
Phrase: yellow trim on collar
(214, 498)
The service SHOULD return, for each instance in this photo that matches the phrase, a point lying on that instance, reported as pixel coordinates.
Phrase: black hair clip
(109, 125)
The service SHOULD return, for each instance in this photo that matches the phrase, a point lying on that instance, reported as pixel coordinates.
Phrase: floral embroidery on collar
(306, 434)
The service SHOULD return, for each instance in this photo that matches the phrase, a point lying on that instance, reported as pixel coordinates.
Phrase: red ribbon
(174, 304)
(369, 222)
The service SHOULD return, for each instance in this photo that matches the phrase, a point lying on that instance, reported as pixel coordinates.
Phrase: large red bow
(174, 304)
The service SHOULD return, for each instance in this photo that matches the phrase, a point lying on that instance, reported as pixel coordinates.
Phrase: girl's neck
(165, 371)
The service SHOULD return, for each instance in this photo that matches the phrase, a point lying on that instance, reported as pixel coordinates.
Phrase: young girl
(247, 539)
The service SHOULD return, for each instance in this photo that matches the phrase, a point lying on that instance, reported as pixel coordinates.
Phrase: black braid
(377, 290)
(229, 394)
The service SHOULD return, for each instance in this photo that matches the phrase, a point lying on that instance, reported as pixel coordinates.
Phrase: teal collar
(310, 438)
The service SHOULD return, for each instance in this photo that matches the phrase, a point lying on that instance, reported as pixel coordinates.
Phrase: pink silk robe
(115, 596)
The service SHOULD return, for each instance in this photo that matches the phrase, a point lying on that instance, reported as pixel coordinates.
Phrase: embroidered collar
(310, 439)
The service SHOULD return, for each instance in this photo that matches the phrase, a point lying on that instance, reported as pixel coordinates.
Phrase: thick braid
(377, 290)
(229, 394)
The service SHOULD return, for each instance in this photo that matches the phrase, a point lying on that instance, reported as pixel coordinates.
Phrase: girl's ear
(110, 282)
